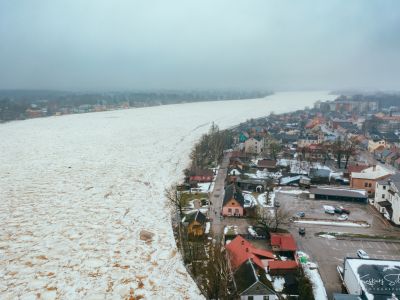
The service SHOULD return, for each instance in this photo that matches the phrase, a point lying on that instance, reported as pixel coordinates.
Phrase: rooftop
(240, 250)
(285, 241)
(379, 279)
(333, 191)
(374, 172)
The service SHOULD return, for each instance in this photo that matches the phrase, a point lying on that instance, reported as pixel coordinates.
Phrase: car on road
(343, 217)
(301, 214)
(362, 254)
(302, 231)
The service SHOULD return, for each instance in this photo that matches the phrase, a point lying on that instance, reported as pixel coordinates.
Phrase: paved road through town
(217, 197)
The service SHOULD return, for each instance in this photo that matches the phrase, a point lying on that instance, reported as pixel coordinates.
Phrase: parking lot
(329, 253)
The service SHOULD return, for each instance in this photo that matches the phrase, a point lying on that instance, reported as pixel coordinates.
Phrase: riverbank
(22, 105)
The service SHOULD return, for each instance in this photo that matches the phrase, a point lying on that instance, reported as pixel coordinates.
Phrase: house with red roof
(281, 267)
(240, 250)
(284, 244)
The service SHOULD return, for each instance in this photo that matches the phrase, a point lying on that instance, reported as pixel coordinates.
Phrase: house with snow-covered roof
(367, 178)
(372, 278)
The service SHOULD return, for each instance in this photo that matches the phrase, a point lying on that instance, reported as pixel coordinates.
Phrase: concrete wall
(350, 280)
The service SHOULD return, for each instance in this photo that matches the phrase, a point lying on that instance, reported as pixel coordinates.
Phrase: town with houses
(303, 205)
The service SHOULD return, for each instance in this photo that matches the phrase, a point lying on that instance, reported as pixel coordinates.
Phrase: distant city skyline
(136, 45)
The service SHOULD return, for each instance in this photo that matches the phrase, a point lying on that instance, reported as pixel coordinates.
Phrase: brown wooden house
(196, 223)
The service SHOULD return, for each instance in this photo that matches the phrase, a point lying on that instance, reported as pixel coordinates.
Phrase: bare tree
(175, 198)
(274, 149)
(337, 149)
(264, 218)
(271, 218)
(281, 217)
(350, 146)
(219, 276)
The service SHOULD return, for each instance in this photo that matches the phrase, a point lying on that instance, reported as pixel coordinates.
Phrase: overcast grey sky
(148, 44)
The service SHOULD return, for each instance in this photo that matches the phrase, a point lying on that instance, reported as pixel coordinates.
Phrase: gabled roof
(248, 276)
(372, 173)
(266, 163)
(285, 241)
(232, 191)
(282, 265)
(356, 168)
(241, 250)
(196, 216)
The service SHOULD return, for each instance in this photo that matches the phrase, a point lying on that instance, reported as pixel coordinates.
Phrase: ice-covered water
(75, 192)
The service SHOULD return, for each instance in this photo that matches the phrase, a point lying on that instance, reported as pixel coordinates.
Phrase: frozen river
(75, 191)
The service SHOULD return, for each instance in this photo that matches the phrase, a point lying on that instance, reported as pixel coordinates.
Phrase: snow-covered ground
(311, 271)
(333, 223)
(77, 190)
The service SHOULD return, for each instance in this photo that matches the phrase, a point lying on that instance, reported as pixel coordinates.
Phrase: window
(250, 298)
(369, 185)
(229, 210)
(384, 187)
(383, 196)
(265, 298)
(366, 184)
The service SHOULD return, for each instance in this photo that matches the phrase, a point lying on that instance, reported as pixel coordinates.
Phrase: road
(217, 197)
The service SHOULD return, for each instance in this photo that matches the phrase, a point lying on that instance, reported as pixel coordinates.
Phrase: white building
(387, 198)
(372, 278)
(254, 145)
(374, 144)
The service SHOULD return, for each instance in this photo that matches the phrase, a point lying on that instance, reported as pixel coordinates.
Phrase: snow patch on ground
(327, 236)
(311, 271)
(278, 284)
(329, 223)
(293, 192)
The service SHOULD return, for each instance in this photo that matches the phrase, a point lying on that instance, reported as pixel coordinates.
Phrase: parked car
(301, 214)
(340, 272)
(329, 209)
(338, 210)
(345, 210)
(343, 217)
(362, 254)
(302, 231)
